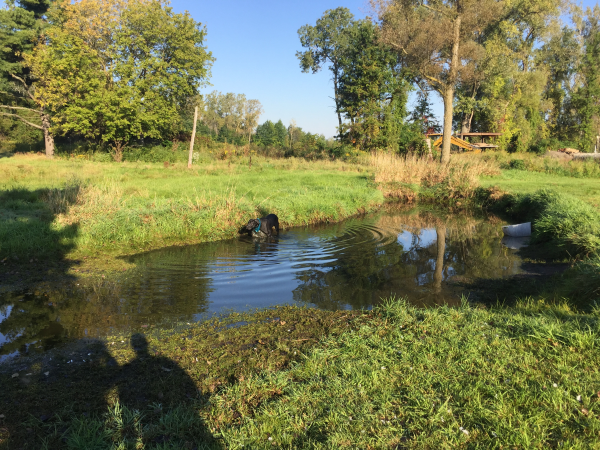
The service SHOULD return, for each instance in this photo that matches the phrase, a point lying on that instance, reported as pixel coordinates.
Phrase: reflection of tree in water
(365, 272)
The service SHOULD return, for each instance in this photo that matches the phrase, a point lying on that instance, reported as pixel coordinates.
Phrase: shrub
(517, 164)
(409, 178)
(158, 153)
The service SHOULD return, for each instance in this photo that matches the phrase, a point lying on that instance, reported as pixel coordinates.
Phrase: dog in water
(264, 224)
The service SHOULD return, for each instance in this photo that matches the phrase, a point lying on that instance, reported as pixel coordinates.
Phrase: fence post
(429, 153)
(193, 138)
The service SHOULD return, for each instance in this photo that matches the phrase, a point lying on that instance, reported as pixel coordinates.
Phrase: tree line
(117, 72)
(503, 66)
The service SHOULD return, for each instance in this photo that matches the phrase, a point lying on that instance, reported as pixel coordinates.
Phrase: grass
(75, 208)
(410, 179)
(559, 220)
(164, 376)
(396, 377)
(545, 164)
(519, 376)
(524, 182)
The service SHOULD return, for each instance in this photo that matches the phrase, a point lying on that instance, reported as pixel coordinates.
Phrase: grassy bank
(526, 182)
(78, 209)
(520, 377)
(89, 213)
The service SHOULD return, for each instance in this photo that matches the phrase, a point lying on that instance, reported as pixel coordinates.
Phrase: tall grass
(559, 219)
(412, 178)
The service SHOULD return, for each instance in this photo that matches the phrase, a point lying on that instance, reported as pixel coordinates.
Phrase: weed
(411, 178)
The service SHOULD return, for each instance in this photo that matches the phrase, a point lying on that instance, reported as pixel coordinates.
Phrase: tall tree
(560, 56)
(508, 93)
(116, 70)
(233, 111)
(21, 24)
(437, 40)
(372, 90)
(326, 42)
(586, 100)
(251, 109)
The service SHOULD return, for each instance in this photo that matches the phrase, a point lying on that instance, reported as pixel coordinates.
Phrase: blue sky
(255, 44)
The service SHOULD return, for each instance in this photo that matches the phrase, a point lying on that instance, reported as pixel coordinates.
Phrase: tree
(233, 111)
(326, 43)
(423, 115)
(20, 27)
(561, 56)
(372, 90)
(116, 70)
(437, 41)
(281, 134)
(251, 111)
(508, 93)
(586, 100)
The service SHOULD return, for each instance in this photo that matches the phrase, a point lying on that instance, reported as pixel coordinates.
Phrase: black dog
(264, 224)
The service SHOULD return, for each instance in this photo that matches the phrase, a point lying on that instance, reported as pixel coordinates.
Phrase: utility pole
(193, 138)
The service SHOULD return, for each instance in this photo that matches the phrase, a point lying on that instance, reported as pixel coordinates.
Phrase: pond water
(417, 255)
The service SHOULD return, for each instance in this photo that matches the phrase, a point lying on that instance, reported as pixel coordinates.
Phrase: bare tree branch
(24, 85)
(21, 107)
(433, 9)
(22, 119)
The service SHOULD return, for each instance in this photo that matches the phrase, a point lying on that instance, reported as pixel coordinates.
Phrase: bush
(158, 153)
(543, 145)
(517, 164)
(102, 157)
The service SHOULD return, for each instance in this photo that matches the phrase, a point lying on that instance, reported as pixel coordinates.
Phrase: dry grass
(411, 178)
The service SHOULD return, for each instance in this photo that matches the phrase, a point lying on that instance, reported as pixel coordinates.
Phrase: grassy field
(396, 377)
(521, 376)
(77, 209)
(526, 182)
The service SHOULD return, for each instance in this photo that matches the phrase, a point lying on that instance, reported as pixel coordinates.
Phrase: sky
(255, 44)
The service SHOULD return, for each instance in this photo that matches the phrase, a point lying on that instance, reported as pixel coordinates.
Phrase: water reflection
(349, 265)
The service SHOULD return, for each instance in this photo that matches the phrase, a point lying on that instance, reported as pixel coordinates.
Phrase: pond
(418, 255)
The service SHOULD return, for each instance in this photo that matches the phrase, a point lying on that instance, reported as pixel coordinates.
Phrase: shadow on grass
(151, 389)
(85, 399)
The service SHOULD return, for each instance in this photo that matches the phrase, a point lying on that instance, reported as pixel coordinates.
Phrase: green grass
(436, 378)
(524, 182)
(75, 208)
(396, 377)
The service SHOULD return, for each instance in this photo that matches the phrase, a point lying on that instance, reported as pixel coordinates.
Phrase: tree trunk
(448, 93)
(429, 152)
(48, 139)
(446, 141)
(466, 123)
(118, 151)
(337, 99)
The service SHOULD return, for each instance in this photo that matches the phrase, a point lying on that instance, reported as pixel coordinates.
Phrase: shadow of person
(152, 379)
(151, 382)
